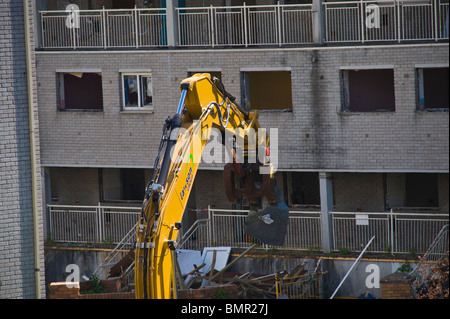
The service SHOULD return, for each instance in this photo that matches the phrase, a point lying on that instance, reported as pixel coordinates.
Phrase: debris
(210, 274)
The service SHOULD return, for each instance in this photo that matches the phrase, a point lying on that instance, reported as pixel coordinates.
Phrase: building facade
(343, 106)
(360, 110)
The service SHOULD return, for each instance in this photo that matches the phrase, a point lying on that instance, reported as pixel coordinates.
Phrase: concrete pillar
(319, 21)
(171, 20)
(326, 204)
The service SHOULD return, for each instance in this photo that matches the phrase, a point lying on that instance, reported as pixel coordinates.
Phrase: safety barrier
(387, 20)
(90, 224)
(103, 29)
(395, 232)
(255, 25)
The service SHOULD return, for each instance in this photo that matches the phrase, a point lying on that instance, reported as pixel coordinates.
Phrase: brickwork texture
(16, 218)
(315, 135)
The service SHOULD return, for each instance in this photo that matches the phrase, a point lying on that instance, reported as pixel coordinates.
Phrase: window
(432, 89)
(80, 91)
(421, 190)
(368, 90)
(303, 188)
(411, 190)
(123, 183)
(137, 91)
(267, 90)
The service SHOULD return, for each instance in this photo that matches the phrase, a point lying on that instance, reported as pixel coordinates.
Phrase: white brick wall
(403, 140)
(17, 267)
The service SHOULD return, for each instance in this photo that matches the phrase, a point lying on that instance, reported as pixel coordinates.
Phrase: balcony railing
(395, 232)
(104, 29)
(228, 26)
(388, 20)
(90, 224)
(245, 25)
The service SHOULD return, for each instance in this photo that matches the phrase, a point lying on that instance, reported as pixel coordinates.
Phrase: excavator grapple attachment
(268, 225)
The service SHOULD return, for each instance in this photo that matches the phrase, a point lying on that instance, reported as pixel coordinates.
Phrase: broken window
(368, 90)
(432, 89)
(267, 90)
(80, 91)
(123, 183)
(137, 91)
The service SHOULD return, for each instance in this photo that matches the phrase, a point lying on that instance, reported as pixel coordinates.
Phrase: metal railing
(90, 224)
(395, 232)
(299, 287)
(245, 25)
(434, 254)
(125, 245)
(103, 29)
(386, 20)
(225, 227)
(224, 26)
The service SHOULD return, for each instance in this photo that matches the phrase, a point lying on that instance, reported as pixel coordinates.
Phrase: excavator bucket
(268, 225)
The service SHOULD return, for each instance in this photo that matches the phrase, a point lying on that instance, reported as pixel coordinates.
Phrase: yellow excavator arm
(204, 105)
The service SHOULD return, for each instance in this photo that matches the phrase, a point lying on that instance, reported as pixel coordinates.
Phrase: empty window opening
(80, 91)
(368, 90)
(123, 184)
(432, 88)
(137, 91)
(123, 4)
(303, 189)
(421, 190)
(412, 190)
(267, 90)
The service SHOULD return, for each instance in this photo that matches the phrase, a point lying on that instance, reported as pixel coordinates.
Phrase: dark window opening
(267, 90)
(123, 4)
(123, 184)
(368, 90)
(304, 189)
(433, 88)
(421, 190)
(80, 91)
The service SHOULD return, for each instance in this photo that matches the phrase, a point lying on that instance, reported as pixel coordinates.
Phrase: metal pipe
(31, 124)
(353, 266)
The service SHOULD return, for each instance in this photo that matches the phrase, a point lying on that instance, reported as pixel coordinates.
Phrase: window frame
(419, 86)
(119, 194)
(140, 107)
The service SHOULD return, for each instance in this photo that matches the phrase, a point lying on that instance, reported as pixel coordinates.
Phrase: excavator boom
(204, 105)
